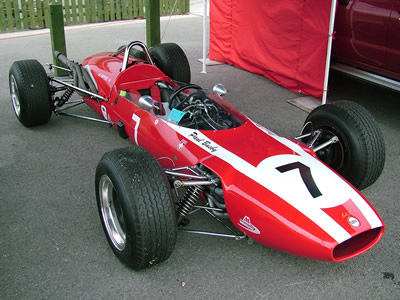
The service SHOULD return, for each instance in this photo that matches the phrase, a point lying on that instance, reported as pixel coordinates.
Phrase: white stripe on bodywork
(362, 205)
(334, 190)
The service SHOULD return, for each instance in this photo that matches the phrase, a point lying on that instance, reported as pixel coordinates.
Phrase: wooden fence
(34, 14)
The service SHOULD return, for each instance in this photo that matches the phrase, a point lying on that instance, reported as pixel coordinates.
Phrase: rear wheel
(30, 92)
(171, 59)
(136, 207)
(359, 155)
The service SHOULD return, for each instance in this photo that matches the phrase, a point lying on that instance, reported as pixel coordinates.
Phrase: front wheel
(136, 207)
(359, 154)
(30, 92)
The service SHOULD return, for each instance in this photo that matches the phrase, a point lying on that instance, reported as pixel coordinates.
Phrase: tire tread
(150, 204)
(34, 92)
(171, 59)
(369, 135)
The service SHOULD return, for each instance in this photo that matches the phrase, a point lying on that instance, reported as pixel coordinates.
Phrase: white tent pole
(329, 50)
(204, 36)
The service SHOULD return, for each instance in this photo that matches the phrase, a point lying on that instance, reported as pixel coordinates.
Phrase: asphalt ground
(52, 243)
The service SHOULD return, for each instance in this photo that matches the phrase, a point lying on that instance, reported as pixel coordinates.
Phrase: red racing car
(194, 151)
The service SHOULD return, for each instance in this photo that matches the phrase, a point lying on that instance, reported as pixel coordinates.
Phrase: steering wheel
(179, 90)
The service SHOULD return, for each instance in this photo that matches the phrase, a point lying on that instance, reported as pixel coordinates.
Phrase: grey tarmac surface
(52, 243)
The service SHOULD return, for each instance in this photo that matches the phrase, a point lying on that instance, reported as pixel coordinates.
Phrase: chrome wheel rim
(14, 96)
(112, 213)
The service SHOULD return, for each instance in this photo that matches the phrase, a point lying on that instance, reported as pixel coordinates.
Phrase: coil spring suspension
(66, 96)
(189, 200)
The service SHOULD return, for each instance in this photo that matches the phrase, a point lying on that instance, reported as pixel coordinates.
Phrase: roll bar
(128, 49)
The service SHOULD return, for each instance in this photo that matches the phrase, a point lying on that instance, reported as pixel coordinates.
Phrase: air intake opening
(357, 244)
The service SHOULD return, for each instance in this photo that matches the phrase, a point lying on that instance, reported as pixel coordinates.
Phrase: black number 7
(305, 174)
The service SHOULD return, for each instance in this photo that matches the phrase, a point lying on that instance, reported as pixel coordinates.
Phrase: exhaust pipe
(81, 77)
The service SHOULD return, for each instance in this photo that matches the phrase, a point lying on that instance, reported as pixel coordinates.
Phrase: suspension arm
(333, 140)
(79, 89)
(181, 183)
(234, 236)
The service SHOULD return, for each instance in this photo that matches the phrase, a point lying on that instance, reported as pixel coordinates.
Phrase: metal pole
(204, 36)
(57, 35)
(329, 50)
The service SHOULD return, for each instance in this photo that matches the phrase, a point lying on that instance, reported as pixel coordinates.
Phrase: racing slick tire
(136, 207)
(171, 59)
(359, 156)
(30, 92)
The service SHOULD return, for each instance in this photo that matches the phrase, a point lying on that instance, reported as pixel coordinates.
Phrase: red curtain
(285, 41)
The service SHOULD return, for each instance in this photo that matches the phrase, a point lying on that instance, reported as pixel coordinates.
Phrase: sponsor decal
(345, 214)
(208, 144)
(182, 144)
(105, 77)
(246, 224)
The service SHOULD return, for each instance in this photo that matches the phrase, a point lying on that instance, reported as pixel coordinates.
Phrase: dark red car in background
(368, 36)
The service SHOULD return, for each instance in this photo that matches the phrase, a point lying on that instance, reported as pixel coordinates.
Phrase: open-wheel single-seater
(193, 151)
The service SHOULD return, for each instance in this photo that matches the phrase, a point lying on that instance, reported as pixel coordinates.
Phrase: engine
(204, 113)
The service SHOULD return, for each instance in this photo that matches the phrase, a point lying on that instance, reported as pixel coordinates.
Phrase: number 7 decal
(305, 174)
(136, 118)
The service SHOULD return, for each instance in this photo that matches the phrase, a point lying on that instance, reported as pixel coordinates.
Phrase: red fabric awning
(285, 41)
